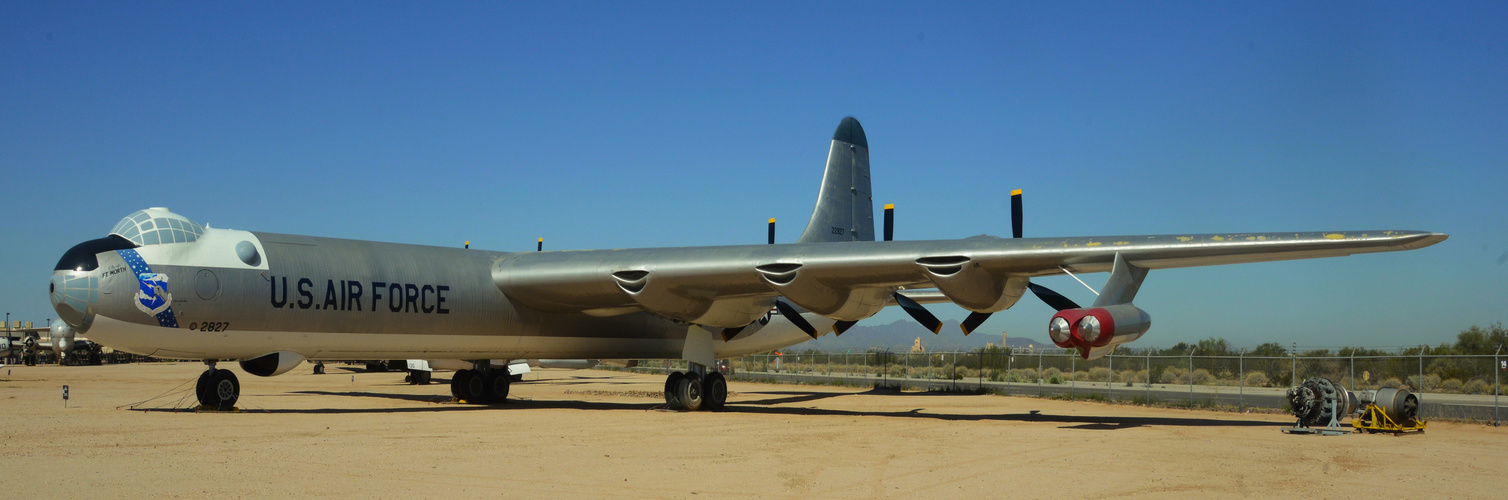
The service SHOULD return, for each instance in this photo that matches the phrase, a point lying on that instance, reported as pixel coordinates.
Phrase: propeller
(795, 318)
(843, 326)
(919, 313)
(1053, 299)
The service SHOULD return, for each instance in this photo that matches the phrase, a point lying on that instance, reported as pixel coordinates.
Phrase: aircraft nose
(73, 295)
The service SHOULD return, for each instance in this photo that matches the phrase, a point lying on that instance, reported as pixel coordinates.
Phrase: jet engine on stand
(1320, 404)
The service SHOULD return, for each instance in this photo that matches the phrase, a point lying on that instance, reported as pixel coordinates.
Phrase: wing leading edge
(730, 286)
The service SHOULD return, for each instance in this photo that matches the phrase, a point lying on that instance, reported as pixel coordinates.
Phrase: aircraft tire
(457, 382)
(201, 388)
(319, 368)
(224, 390)
(672, 384)
(689, 393)
(422, 377)
(715, 389)
(497, 386)
(476, 388)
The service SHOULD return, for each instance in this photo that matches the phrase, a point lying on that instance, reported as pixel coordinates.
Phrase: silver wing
(731, 286)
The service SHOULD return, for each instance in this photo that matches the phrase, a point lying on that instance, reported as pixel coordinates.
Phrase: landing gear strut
(696, 389)
(481, 384)
(217, 389)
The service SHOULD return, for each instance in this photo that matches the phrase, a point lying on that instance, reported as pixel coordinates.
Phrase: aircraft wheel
(223, 391)
(201, 388)
(497, 386)
(421, 377)
(715, 388)
(319, 368)
(475, 389)
(689, 393)
(672, 385)
(458, 383)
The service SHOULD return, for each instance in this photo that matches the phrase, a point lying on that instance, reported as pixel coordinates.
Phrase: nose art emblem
(152, 297)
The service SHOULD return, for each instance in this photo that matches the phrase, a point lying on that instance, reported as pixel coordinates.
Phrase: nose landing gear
(696, 389)
(217, 389)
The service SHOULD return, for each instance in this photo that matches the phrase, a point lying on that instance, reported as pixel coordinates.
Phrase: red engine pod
(1098, 326)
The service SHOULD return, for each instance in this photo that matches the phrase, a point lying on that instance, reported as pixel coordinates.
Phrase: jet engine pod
(273, 363)
(1098, 326)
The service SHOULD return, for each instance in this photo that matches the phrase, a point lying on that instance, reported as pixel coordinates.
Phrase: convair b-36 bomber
(162, 285)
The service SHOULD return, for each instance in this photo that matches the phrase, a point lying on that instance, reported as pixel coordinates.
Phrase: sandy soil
(599, 434)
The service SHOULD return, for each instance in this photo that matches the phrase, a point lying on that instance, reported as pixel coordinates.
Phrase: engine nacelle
(272, 363)
(1095, 327)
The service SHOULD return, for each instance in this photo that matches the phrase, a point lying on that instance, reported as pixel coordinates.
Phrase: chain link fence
(1458, 387)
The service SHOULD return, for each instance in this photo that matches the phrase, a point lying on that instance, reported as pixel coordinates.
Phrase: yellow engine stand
(1373, 419)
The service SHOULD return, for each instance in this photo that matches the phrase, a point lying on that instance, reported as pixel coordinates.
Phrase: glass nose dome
(157, 225)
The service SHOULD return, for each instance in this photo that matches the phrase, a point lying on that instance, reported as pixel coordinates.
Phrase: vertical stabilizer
(845, 208)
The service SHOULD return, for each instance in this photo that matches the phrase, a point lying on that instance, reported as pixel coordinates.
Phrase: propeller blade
(972, 322)
(1016, 213)
(919, 313)
(795, 318)
(1053, 299)
(843, 326)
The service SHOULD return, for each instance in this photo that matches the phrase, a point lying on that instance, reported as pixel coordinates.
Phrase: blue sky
(609, 125)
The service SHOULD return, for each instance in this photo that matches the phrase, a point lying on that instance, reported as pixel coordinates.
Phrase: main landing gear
(217, 389)
(482, 384)
(696, 389)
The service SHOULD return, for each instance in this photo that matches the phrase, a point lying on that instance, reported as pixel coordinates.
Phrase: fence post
(1497, 369)
(1110, 380)
(1039, 374)
(1073, 376)
(1241, 373)
(1353, 371)
(1149, 376)
(1294, 377)
(1191, 377)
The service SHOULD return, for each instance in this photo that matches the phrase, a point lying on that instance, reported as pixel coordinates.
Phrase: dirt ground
(600, 434)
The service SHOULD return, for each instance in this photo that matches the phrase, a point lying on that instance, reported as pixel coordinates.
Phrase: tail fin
(845, 209)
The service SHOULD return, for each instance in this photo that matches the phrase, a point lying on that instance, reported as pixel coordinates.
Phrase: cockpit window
(81, 256)
(155, 226)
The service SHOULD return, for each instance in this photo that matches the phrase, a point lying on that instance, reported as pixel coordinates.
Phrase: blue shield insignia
(153, 297)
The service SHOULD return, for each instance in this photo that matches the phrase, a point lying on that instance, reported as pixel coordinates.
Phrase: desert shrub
(1225, 375)
(1431, 381)
(1452, 385)
(1256, 379)
(1126, 376)
(1392, 383)
(1141, 377)
(1099, 374)
(896, 371)
(1024, 375)
(1202, 376)
(964, 373)
(1477, 386)
(1055, 379)
(1052, 373)
(1081, 375)
(1172, 375)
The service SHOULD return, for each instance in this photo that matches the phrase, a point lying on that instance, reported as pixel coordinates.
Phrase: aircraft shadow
(767, 407)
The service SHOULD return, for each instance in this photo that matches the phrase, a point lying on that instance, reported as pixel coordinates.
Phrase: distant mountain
(901, 334)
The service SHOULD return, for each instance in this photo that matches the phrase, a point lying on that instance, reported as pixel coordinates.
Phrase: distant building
(917, 347)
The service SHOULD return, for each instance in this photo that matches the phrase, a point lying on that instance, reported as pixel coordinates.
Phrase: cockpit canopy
(157, 225)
